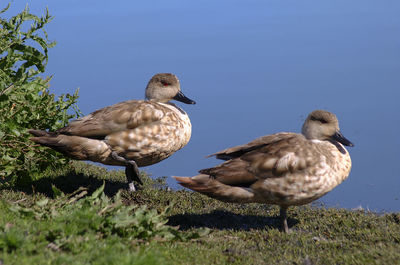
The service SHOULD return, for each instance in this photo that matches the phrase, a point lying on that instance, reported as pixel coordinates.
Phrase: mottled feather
(284, 168)
(119, 117)
(132, 133)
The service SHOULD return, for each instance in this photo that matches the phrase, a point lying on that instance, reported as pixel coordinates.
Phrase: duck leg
(131, 171)
(283, 217)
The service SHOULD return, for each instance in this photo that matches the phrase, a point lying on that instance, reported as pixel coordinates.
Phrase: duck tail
(48, 139)
(76, 147)
(39, 133)
(211, 187)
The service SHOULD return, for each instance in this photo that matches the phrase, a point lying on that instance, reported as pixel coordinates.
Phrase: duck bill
(182, 98)
(338, 136)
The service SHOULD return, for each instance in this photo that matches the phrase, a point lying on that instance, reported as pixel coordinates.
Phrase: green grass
(40, 225)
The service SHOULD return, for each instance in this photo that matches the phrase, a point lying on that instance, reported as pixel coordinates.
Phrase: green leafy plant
(23, 58)
(25, 100)
(93, 215)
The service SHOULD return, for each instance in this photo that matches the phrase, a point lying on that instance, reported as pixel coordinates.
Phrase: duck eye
(164, 83)
(323, 121)
(320, 120)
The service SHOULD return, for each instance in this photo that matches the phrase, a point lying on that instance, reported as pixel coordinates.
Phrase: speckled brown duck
(284, 169)
(132, 133)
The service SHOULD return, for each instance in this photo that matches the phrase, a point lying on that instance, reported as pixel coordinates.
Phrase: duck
(133, 133)
(284, 169)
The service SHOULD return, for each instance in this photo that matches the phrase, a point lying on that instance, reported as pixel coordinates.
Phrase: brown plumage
(284, 168)
(132, 133)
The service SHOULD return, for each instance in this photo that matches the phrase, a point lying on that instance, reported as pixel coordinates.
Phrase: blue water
(254, 68)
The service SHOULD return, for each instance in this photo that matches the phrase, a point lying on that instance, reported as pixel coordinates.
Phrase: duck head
(165, 87)
(323, 125)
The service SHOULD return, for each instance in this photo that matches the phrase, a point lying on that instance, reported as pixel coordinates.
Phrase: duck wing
(121, 116)
(270, 156)
(237, 151)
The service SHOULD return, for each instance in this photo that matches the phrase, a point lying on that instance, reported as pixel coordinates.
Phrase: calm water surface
(254, 68)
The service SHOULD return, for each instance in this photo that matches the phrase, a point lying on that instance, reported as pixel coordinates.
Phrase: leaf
(15, 132)
(42, 202)
(21, 210)
(96, 194)
(5, 9)
(56, 192)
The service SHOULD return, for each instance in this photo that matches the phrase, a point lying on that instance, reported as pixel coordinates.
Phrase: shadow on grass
(219, 219)
(70, 182)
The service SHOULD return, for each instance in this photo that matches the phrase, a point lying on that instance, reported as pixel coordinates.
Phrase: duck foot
(131, 171)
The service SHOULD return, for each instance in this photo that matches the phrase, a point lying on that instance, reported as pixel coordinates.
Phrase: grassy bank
(40, 225)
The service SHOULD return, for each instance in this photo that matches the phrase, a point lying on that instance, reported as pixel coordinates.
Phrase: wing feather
(122, 116)
(237, 151)
(270, 156)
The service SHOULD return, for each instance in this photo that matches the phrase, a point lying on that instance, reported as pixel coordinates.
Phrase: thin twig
(21, 200)
(5, 90)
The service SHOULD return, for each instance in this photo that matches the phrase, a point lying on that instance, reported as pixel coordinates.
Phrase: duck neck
(176, 106)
